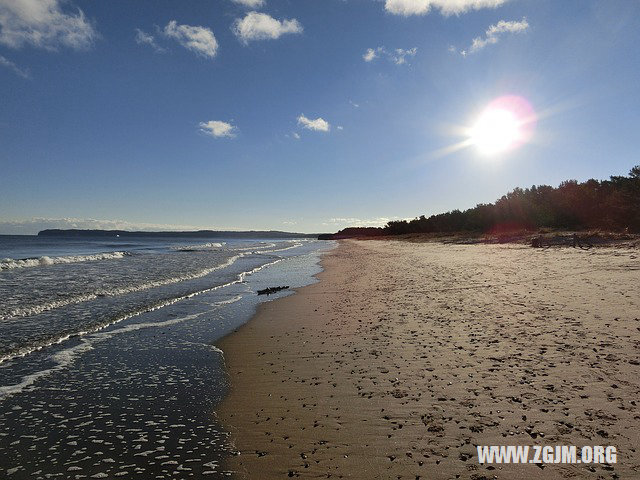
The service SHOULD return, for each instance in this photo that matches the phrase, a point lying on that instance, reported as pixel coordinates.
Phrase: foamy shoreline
(406, 356)
(134, 395)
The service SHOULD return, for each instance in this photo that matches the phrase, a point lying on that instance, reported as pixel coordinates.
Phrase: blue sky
(301, 115)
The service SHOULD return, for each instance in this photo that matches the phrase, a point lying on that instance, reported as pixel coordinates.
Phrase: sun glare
(505, 124)
(495, 131)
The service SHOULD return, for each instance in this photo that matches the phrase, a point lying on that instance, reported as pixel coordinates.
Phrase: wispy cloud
(397, 56)
(143, 38)
(14, 68)
(43, 24)
(260, 26)
(250, 3)
(446, 7)
(318, 125)
(495, 32)
(32, 226)
(218, 129)
(197, 39)
(371, 54)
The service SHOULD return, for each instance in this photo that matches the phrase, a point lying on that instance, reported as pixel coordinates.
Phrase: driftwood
(270, 290)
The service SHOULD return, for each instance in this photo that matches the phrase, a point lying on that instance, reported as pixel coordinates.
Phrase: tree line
(611, 205)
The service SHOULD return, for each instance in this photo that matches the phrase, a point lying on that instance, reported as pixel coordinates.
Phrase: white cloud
(371, 54)
(218, 129)
(318, 125)
(446, 7)
(340, 127)
(260, 26)
(397, 56)
(197, 39)
(355, 105)
(43, 24)
(143, 38)
(14, 68)
(296, 135)
(250, 3)
(494, 32)
(32, 226)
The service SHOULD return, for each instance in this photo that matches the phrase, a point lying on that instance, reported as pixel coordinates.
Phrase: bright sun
(495, 131)
(506, 123)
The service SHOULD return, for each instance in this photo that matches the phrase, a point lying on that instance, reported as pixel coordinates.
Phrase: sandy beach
(406, 356)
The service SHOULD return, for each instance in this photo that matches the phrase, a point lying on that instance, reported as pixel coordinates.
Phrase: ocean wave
(37, 309)
(254, 247)
(268, 247)
(88, 338)
(31, 310)
(11, 263)
(227, 302)
(66, 357)
(295, 245)
(199, 247)
(149, 308)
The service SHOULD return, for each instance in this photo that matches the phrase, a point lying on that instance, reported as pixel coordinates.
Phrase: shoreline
(404, 357)
(139, 390)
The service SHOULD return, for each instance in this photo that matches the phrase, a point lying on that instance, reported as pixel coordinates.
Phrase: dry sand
(405, 356)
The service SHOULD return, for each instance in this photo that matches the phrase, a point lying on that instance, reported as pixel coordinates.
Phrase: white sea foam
(295, 245)
(229, 301)
(10, 263)
(254, 247)
(241, 278)
(268, 248)
(202, 246)
(88, 338)
(66, 357)
(36, 309)
(30, 349)
(29, 379)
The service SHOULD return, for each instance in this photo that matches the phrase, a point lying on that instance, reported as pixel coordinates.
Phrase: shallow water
(132, 390)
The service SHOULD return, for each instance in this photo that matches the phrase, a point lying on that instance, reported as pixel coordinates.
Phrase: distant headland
(192, 234)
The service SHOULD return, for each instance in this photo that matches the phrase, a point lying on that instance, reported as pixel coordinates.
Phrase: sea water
(107, 363)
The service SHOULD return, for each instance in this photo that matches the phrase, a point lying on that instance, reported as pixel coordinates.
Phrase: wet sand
(406, 356)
